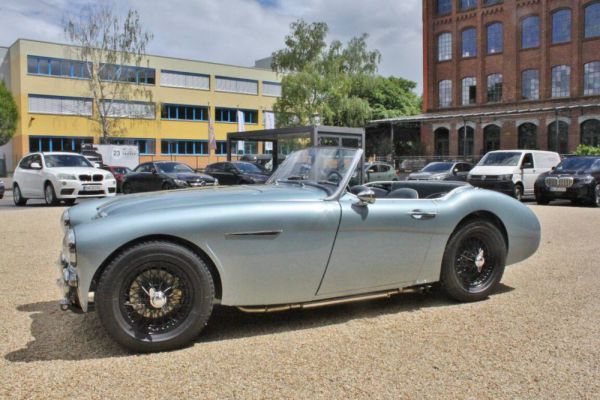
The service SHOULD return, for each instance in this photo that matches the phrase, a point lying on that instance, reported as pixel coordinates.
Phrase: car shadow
(59, 335)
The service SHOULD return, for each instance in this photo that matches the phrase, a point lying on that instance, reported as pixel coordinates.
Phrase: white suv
(60, 176)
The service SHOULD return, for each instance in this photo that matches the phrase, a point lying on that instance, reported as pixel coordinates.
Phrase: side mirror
(365, 197)
(454, 171)
(154, 171)
(553, 168)
(35, 165)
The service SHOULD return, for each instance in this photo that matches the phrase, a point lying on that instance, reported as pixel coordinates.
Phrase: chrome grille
(554, 181)
(484, 177)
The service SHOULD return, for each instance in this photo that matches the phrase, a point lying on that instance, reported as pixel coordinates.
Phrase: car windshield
(121, 170)
(173, 167)
(578, 164)
(437, 167)
(323, 167)
(501, 159)
(248, 168)
(66, 161)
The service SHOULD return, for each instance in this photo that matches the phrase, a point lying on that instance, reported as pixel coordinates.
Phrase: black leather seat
(403, 193)
(379, 193)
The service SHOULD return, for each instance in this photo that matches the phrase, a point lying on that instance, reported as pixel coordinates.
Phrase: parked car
(413, 164)
(378, 171)
(164, 175)
(2, 188)
(118, 172)
(158, 263)
(57, 176)
(576, 178)
(512, 172)
(237, 173)
(442, 171)
(259, 159)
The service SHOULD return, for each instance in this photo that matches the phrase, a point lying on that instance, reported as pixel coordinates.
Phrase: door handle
(422, 215)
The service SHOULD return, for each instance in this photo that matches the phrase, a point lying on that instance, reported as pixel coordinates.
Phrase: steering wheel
(334, 177)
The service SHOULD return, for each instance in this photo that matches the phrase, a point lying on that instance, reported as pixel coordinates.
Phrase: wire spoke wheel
(474, 264)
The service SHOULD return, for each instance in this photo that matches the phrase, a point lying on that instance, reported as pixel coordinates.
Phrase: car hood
(76, 171)
(191, 177)
(425, 175)
(258, 177)
(494, 170)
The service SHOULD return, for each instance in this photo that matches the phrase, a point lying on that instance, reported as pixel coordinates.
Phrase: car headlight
(65, 220)
(69, 247)
(180, 182)
(438, 177)
(109, 176)
(586, 179)
(507, 177)
(67, 177)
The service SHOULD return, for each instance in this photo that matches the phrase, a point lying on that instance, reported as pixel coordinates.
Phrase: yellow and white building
(52, 95)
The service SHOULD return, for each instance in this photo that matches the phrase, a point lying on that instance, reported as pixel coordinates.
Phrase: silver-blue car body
(303, 239)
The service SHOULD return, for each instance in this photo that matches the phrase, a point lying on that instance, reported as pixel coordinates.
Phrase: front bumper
(70, 189)
(575, 192)
(67, 285)
(506, 187)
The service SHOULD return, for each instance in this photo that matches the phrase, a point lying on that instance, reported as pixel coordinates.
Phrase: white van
(512, 172)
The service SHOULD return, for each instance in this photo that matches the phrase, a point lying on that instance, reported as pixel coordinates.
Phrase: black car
(442, 171)
(237, 173)
(164, 175)
(576, 178)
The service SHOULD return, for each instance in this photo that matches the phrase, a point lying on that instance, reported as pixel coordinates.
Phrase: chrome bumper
(67, 283)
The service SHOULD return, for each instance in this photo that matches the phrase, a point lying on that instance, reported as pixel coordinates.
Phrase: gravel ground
(538, 337)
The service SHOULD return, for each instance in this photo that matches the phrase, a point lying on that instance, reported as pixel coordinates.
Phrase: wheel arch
(164, 238)
(486, 216)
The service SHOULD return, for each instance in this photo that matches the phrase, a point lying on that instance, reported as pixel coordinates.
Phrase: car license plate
(90, 188)
(557, 189)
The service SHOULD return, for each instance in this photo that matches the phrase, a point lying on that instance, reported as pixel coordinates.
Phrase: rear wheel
(50, 195)
(18, 196)
(155, 296)
(167, 186)
(473, 261)
(518, 192)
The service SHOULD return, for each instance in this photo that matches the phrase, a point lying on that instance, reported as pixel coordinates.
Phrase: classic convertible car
(155, 264)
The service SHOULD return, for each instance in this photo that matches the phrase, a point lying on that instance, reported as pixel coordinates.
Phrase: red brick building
(512, 74)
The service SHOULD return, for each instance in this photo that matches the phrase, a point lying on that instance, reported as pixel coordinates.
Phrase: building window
(592, 20)
(272, 89)
(495, 41)
(491, 138)
(591, 78)
(530, 32)
(561, 26)
(465, 144)
(590, 132)
(491, 2)
(444, 7)
(530, 84)
(130, 109)
(494, 88)
(60, 105)
(145, 146)
(185, 80)
(467, 4)
(230, 115)
(58, 143)
(561, 79)
(442, 142)
(57, 67)
(445, 46)
(527, 136)
(563, 137)
(183, 147)
(445, 93)
(236, 85)
(221, 147)
(125, 73)
(182, 112)
(469, 42)
(469, 90)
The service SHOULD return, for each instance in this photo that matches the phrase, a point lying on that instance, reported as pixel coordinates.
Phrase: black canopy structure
(286, 140)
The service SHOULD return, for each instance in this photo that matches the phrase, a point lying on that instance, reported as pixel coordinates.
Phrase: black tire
(191, 300)
(541, 200)
(461, 278)
(596, 196)
(518, 192)
(167, 186)
(50, 194)
(18, 198)
(126, 189)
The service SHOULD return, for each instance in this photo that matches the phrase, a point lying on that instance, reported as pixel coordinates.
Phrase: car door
(528, 173)
(372, 173)
(35, 177)
(380, 245)
(138, 176)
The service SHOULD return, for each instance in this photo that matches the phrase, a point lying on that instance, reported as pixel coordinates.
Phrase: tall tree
(106, 44)
(8, 115)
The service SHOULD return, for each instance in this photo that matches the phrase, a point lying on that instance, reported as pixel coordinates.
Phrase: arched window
(561, 81)
(530, 84)
(445, 46)
(491, 138)
(441, 139)
(465, 143)
(563, 137)
(494, 88)
(592, 20)
(467, 4)
(469, 42)
(590, 132)
(495, 41)
(591, 78)
(527, 136)
(530, 32)
(469, 90)
(445, 93)
(444, 7)
(561, 26)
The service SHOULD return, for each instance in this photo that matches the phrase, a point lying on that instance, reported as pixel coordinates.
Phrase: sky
(239, 32)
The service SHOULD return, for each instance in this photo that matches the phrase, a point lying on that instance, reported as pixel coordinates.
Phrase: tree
(585, 150)
(8, 115)
(105, 44)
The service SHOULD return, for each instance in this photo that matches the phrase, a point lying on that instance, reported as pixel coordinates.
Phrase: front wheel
(596, 196)
(50, 195)
(473, 261)
(127, 189)
(518, 192)
(18, 196)
(155, 296)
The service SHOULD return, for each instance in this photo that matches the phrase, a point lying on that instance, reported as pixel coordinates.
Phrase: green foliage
(8, 115)
(585, 150)
(336, 84)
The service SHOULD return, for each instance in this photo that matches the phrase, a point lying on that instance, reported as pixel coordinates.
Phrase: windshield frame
(158, 165)
(582, 159)
(89, 164)
(449, 167)
(507, 154)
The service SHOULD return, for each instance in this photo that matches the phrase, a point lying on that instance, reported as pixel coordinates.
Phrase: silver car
(155, 264)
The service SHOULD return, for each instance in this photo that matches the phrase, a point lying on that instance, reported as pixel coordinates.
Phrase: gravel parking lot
(537, 338)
